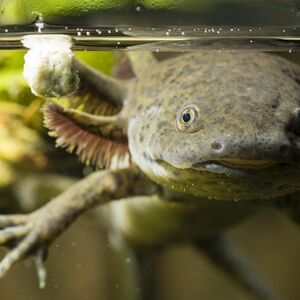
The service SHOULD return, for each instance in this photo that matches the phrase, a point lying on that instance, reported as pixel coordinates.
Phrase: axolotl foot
(32, 234)
(26, 235)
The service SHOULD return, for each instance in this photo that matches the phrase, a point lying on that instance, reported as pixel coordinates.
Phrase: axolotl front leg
(32, 234)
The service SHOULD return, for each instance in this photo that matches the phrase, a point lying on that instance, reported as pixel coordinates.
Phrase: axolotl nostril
(192, 145)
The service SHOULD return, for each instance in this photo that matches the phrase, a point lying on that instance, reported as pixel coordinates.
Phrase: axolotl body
(191, 145)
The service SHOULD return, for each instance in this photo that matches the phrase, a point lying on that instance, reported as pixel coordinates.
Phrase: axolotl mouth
(229, 179)
(234, 166)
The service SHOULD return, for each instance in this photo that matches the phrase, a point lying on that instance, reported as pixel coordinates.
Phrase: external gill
(87, 119)
(91, 125)
(97, 140)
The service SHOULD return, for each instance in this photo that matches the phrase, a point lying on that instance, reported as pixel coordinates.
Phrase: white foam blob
(49, 65)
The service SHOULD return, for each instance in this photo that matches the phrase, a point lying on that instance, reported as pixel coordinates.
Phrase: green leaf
(100, 60)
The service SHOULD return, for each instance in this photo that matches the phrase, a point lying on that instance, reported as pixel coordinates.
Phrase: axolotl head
(222, 126)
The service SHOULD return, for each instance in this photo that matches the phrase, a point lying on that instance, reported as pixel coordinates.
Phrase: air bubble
(39, 24)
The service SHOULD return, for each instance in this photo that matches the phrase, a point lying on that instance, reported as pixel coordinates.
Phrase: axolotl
(187, 148)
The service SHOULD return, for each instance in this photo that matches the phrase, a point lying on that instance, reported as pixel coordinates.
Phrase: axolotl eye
(189, 119)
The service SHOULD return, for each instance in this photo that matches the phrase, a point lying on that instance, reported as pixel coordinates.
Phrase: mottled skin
(236, 152)
(245, 103)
